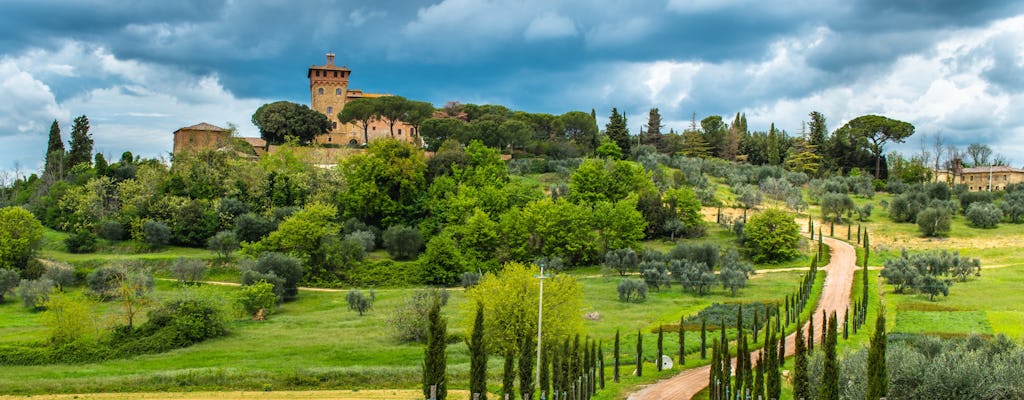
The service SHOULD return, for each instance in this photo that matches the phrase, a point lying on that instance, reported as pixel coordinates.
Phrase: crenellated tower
(328, 89)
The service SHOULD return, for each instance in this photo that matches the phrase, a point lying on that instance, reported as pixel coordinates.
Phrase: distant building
(329, 92)
(202, 136)
(982, 179)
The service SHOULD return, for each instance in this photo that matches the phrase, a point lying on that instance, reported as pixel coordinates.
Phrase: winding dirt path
(835, 296)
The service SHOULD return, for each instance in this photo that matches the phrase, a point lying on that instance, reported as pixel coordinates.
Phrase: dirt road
(835, 296)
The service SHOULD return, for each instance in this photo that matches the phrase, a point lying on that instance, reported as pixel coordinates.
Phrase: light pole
(540, 322)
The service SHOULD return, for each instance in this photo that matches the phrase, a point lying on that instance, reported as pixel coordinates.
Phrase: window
(329, 139)
(330, 110)
(335, 74)
(317, 73)
(337, 92)
(972, 178)
(1004, 178)
(334, 125)
(320, 91)
(399, 131)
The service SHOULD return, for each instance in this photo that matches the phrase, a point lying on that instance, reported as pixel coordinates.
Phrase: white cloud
(550, 25)
(619, 32)
(28, 105)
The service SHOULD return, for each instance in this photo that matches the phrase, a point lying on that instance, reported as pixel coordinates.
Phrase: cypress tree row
(755, 326)
(593, 367)
(773, 381)
(878, 374)
(846, 323)
(758, 392)
(434, 361)
(703, 339)
(527, 354)
(508, 376)
(800, 388)
(810, 334)
(715, 379)
(576, 369)
(585, 372)
(682, 342)
(600, 363)
(478, 356)
(829, 387)
(639, 354)
(556, 373)
(544, 384)
(740, 351)
(726, 360)
(661, 338)
(615, 365)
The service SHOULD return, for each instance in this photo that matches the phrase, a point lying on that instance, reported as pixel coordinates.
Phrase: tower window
(330, 110)
(335, 74)
(320, 91)
(337, 91)
(334, 125)
(317, 73)
(399, 131)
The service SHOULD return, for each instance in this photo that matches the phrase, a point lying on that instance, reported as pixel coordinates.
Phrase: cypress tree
(821, 244)
(726, 360)
(849, 230)
(878, 374)
(754, 326)
(618, 131)
(682, 342)
(846, 323)
(556, 372)
(858, 234)
(600, 363)
(748, 370)
(576, 368)
(832, 229)
(661, 338)
(639, 354)
(703, 338)
(810, 333)
(81, 143)
(740, 365)
(758, 392)
(593, 367)
(782, 348)
(478, 356)
(715, 379)
(544, 385)
(586, 363)
(435, 363)
(800, 389)
(508, 376)
(824, 326)
(810, 226)
(527, 355)
(829, 387)
(773, 384)
(615, 365)
(54, 153)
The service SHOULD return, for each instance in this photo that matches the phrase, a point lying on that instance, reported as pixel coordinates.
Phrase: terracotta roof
(996, 168)
(203, 126)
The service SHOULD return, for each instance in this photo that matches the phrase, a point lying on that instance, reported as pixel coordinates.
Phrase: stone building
(982, 179)
(329, 92)
(202, 136)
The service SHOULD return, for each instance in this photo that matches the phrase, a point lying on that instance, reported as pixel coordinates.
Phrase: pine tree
(682, 342)
(615, 366)
(878, 374)
(639, 354)
(661, 338)
(435, 363)
(800, 389)
(617, 131)
(54, 154)
(508, 376)
(653, 134)
(478, 356)
(703, 339)
(81, 143)
(829, 387)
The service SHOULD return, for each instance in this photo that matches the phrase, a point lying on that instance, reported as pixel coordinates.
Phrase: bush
(112, 230)
(402, 242)
(984, 215)
(34, 293)
(183, 322)
(621, 260)
(21, 235)
(8, 281)
(232, 207)
(933, 222)
(103, 282)
(706, 253)
(80, 242)
(223, 243)
(470, 279)
(632, 291)
(772, 236)
(366, 239)
(156, 233)
(359, 302)
(68, 318)
(62, 275)
(257, 296)
(252, 227)
(968, 198)
(252, 277)
(289, 269)
(188, 271)
(409, 322)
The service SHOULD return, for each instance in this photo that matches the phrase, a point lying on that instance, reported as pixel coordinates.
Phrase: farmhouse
(982, 179)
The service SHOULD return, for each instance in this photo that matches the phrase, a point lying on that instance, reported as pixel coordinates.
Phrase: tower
(328, 89)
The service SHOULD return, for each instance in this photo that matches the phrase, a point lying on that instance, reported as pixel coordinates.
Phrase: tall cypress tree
(715, 379)
(758, 392)
(81, 143)
(682, 342)
(748, 369)
(435, 363)
(661, 338)
(703, 339)
(527, 356)
(478, 356)
(800, 389)
(726, 359)
(639, 354)
(810, 333)
(829, 387)
(773, 384)
(508, 376)
(544, 385)
(54, 153)
(878, 374)
(615, 366)
(556, 372)
(653, 134)
(600, 363)
(617, 131)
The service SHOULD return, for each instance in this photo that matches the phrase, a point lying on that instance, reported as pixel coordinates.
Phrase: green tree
(434, 360)
(581, 128)
(359, 302)
(21, 236)
(934, 221)
(436, 131)
(835, 205)
(81, 143)
(639, 354)
(384, 185)
(360, 112)
(257, 296)
(223, 243)
(478, 356)
(878, 130)
(301, 234)
(619, 225)
(616, 350)
(391, 109)
(772, 235)
(9, 280)
(527, 358)
(828, 389)
(417, 113)
(878, 373)
(695, 145)
(281, 119)
(54, 154)
(713, 131)
(508, 376)
(403, 242)
(817, 133)
(68, 318)
(617, 131)
(801, 390)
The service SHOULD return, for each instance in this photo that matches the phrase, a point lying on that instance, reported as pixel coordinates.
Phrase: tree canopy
(878, 130)
(281, 119)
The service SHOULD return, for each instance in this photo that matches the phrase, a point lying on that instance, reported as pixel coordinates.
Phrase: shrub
(983, 215)
(409, 323)
(156, 233)
(470, 279)
(632, 291)
(257, 296)
(8, 281)
(772, 236)
(706, 253)
(62, 275)
(402, 242)
(21, 235)
(232, 207)
(252, 277)
(359, 302)
(968, 198)
(289, 269)
(188, 271)
(182, 322)
(112, 230)
(252, 227)
(34, 293)
(933, 222)
(68, 318)
(80, 242)
(103, 281)
(621, 260)
(366, 239)
(223, 243)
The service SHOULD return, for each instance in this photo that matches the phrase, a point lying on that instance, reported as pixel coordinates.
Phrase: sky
(142, 69)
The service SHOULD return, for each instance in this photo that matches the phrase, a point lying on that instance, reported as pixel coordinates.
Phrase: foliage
(359, 302)
(409, 322)
(68, 318)
(111, 230)
(271, 266)
(549, 228)
(435, 363)
(934, 221)
(223, 243)
(9, 280)
(402, 242)
(182, 322)
(619, 224)
(366, 239)
(836, 205)
(694, 276)
(383, 186)
(188, 271)
(606, 180)
(157, 234)
(80, 242)
(81, 143)
(63, 275)
(877, 130)
(771, 236)
(922, 271)
(21, 236)
(1013, 205)
(632, 291)
(282, 119)
(508, 298)
(734, 272)
(983, 215)
(622, 261)
(478, 356)
(257, 296)
(35, 292)
(618, 131)
(251, 227)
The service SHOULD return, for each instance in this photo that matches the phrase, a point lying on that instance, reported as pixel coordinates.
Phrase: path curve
(835, 296)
